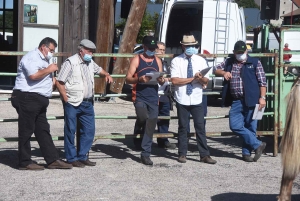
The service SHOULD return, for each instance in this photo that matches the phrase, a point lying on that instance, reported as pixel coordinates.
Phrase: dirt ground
(119, 175)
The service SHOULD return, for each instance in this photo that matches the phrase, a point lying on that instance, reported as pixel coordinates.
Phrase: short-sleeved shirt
(30, 64)
(179, 67)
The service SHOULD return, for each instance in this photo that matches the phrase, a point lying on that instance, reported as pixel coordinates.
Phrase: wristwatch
(263, 97)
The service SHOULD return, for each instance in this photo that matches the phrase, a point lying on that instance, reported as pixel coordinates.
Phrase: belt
(88, 99)
(240, 98)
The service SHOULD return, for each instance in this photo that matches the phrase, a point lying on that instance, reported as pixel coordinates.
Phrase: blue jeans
(241, 123)
(86, 116)
(183, 113)
(163, 124)
(146, 114)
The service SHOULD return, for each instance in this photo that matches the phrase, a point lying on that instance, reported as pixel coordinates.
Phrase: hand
(161, 79)
(144, 79)
(262, 103)
(108, 78)
(66, 99)
(53, 68)
(227, 76)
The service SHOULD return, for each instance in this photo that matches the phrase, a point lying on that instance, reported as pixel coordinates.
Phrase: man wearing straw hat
(188, 81)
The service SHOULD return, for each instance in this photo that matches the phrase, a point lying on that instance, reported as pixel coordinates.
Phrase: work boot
(259, 151)
(87, 162)
(208, 159)
(247, 158)
(59, 164)
(146, 160)
(32, 166)
(182, 159)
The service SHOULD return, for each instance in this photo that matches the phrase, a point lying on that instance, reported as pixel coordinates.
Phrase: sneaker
(146, 160)
(182, 159)
(59, 164)
(77, 164)
(208, 159)
(247, 158)
(32, 166)
(259, 151)
(167, 145)
(87, 162)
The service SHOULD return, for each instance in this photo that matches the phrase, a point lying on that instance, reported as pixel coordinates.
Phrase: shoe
(259, 151)
(87, 162)
(146, 160)
(167, 145)
(182, 159)
(32, 166)
(77, 164)
(59, 164)
(208, 159)
(247, 158)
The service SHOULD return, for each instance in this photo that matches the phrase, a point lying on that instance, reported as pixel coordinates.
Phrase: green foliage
(148, 24)
(249, 28)
(8, 20)
(247, 3)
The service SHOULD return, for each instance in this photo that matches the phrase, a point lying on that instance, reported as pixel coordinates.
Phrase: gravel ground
(119, 175)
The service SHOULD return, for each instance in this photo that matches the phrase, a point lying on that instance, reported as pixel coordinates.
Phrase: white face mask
(241, 57)
(49, 56)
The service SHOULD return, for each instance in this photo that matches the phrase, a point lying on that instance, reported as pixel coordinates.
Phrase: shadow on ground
(248, 197)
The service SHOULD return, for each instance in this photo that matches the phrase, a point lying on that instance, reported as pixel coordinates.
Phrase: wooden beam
(104, 39)
(130, 33)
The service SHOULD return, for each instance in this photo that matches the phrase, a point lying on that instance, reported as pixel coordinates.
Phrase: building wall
(285, 7)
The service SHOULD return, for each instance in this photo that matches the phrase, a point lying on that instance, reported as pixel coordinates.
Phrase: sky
(9, 3)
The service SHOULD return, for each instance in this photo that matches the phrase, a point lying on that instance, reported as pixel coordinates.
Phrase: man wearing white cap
(188, 82)
(75, 83)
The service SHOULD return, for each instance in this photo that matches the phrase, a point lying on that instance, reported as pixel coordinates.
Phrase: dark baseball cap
(240, 46)
(149, 42)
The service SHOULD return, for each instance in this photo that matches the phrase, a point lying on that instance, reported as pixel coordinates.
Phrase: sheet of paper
(205, 71)
(154, 75)
(258, 114)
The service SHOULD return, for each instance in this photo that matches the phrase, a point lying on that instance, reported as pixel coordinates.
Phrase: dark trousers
(32, 109)
(183, 113)
(146, 114)
(163, 124)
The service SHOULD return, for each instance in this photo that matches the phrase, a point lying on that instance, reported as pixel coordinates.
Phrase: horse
(290, 143)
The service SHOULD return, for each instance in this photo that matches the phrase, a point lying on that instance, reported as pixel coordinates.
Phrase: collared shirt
(236, 82)
(66, 72)
(30, 64)
(179, 67)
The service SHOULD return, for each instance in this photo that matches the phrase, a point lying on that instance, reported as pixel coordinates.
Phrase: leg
(163, 124)
(198, 117)
(183, 114)
(70, 113)
(204, 106)
(87, 130)
(139, 127)
(28, 110)
(42, 132)
(237, 125)
(149, 129)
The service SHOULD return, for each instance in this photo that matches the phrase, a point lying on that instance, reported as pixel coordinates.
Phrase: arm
(44, 72)
(261, 78)
(262, 102)
(161, 80)
(53, 84)
(130, 78)
(107, 76)
(62, 90)
(222, 73)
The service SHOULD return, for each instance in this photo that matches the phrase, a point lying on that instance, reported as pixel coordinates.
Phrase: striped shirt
(236, 83)
(66, 72)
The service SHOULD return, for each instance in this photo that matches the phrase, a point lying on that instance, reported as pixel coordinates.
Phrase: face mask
(49, 56)
(241, 57)
(149, 53)
(196, 51)
(87, 57)
(190, 51)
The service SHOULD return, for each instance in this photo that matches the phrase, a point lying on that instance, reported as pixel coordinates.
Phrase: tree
(247, 3)
(148, 24)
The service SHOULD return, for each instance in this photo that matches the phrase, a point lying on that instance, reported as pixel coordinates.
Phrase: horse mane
(290, 142)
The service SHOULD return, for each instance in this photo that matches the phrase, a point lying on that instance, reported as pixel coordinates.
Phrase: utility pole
(130, 33)
(104, 39)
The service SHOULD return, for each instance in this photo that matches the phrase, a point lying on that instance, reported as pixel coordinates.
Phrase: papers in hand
(258, 114)
(154, 75)
(205, 71)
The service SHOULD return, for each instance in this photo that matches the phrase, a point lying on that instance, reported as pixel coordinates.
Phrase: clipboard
(205, 71)
(258, 114)
(154, 75)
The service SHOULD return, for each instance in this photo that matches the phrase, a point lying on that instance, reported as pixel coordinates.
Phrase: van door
(243, 24)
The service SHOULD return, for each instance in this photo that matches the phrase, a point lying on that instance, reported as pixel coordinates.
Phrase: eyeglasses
(51, 50)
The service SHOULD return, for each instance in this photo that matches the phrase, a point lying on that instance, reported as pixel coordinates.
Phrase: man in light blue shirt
(30, 98)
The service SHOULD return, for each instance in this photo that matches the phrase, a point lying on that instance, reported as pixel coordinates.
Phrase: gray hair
(161, 43)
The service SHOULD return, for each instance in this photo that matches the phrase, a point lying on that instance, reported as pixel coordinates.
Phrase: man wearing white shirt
(188, 82)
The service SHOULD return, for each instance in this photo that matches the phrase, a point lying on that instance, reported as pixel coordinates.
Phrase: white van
(217, 25)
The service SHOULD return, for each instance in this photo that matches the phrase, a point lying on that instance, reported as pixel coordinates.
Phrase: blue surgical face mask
(190, 51)
(150, 53)
(87, 57)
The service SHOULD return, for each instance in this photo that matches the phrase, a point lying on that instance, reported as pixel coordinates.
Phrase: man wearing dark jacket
(244, 87)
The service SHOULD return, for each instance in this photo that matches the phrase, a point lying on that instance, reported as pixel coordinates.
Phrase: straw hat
(188, 40)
